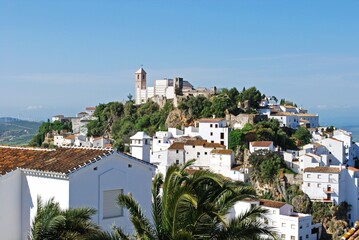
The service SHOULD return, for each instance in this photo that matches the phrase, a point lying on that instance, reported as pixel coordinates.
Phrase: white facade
(286, 119)
(141, 146)
(334, 185)
(82, 186)
(261, 145)
(214, 130)
(288, 224)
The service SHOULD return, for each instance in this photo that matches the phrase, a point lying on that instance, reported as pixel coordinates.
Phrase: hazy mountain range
(14, 131)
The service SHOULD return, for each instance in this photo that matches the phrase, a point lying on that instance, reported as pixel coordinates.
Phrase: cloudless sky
(57, 57)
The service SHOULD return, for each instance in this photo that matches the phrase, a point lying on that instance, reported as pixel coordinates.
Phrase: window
(282, 236)
(292, 237)
(216, 125)
(205, 153)
(300, 226)
(222, 135)
(292, 226)
(177, 161)
(222, 142)
(177, 151)
(109, 206)
(198, 153)
(210, 125)
(308, 184)
(300, 238)
(319, 185)
(211, 134)
(307, 236)
(308, 175)
(274, 223)
(283, 224)
(319, 176)
(193, 146)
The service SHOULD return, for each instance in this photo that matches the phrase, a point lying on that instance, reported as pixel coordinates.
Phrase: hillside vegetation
(17, 132)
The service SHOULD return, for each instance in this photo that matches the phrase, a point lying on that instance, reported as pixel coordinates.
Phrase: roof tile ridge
(29, 148)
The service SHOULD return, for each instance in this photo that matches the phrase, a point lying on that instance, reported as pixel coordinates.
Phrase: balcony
(328, 190)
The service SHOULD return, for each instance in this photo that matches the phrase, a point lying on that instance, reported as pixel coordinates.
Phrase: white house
(141, 146)
(286, 119)
(74, 177)
(308, 120)
(214, 130)
(261, 145)
(333, 184)
(288, 224)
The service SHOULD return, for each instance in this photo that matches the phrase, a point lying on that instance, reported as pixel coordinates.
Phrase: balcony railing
(328, 190)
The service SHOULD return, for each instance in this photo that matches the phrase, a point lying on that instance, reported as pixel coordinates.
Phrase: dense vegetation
(121, 121)
(46, 127)
(285, 138)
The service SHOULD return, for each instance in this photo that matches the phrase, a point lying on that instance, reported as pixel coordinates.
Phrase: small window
(177, 161)
(109, 205)
(177, 151)
(292, 226)
(319, 176)
(283, 224)
(292, 237)
(307, 236)
(210, 125)
(193, 146)
(216, 125)
(222, 135)
(198, 153)
(319, 185)
(308, 175)
(205, 153)
(211, 134)
(282, 236)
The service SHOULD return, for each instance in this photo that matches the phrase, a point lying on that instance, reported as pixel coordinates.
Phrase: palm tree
(51, 222)
(194, 206)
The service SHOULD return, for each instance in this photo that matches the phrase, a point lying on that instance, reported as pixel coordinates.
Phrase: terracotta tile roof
(91, 108)
(336, 139)
(271, 204)
(353, 169)
(177, 146)
(222, 151)
(195, 142)
(306, 115)
(70, 137)
(322, 169)
(210, 120)
(213, 145)
(288, 106)
(261, 143)
(60, 160)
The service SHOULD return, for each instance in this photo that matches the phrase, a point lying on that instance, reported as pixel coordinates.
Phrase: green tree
(194, 207)
(266, 166)
(303, 136)
(252, 95)
(51, 222)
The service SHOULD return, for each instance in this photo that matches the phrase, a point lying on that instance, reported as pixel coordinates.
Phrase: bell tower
(141, 90)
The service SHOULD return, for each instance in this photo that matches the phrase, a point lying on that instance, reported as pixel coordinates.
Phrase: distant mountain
(15, 131)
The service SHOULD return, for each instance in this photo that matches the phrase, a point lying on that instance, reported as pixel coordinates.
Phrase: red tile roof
(271, 204)
(323, 169)
(261, 143)
(353, 169)
(210, 120)
(59, 160)
(177, 146)
(91, 108)
(222, 151)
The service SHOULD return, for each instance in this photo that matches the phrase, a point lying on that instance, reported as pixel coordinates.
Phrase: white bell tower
(141, 89)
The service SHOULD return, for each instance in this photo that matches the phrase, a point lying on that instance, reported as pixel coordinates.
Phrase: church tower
(141, 90)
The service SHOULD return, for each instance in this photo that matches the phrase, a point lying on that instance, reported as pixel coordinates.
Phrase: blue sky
(61, 56)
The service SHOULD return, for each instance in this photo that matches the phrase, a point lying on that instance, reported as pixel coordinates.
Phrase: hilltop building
(165, 89)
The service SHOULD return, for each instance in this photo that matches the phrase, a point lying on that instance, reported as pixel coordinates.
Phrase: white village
(84, 170)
